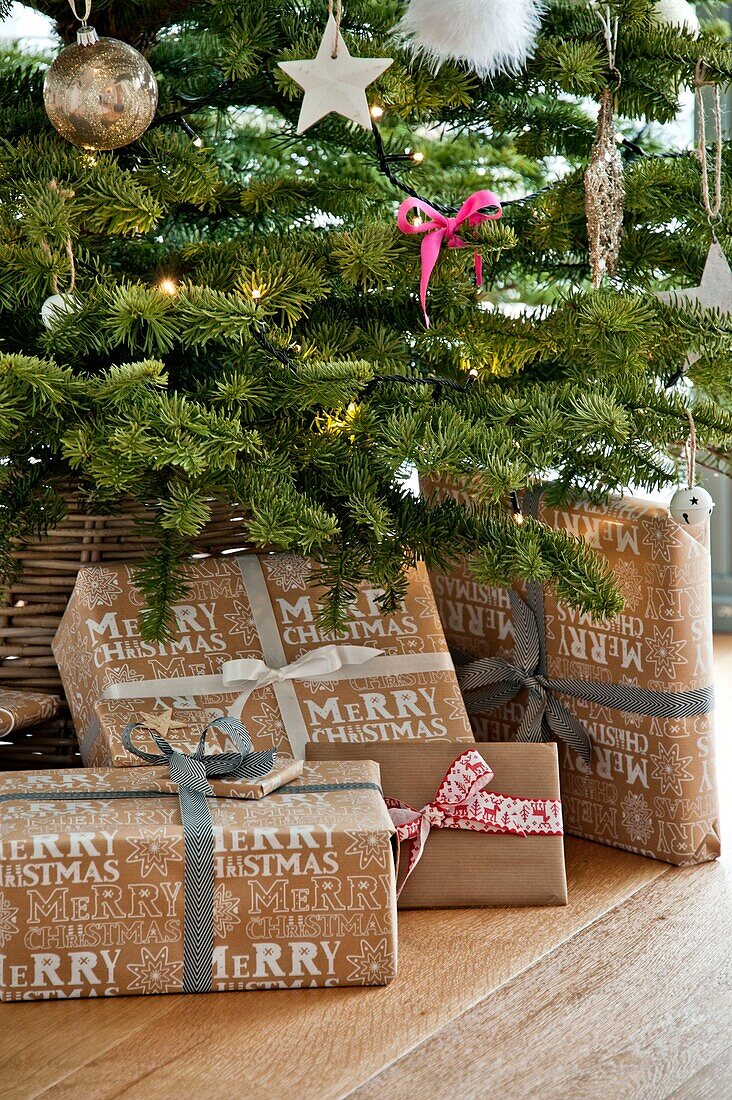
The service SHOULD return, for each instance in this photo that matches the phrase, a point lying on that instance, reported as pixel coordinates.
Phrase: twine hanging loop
(691, 451)
(336, 11)
(712, 202)
(68, 247)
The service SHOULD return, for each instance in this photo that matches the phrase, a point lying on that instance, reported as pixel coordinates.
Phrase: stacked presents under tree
(259, 799)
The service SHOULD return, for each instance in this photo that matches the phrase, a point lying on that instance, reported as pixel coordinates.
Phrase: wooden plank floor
(626, 992)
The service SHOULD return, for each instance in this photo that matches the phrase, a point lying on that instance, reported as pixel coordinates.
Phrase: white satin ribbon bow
(250, 673)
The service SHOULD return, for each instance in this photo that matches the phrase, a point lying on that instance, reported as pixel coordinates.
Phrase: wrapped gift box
(464, 866)
(93, 889)
(25, 708)
(650, 785)
(255, 608)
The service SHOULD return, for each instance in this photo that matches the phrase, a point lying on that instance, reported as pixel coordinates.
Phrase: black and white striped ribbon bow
(191, 772)
(491, 682)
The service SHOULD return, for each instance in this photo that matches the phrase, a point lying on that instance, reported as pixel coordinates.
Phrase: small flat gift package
(130, 881)
(246, 644)
(19, 709)
(630, 701)
(476, 826)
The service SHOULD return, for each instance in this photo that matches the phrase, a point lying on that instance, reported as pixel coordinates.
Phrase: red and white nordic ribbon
(461, 802)
(439, 229)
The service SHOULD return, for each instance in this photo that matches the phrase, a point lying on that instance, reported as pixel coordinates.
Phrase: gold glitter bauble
(100, 93)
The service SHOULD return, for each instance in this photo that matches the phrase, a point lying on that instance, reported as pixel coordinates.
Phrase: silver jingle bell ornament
(100, 93)
(691, 505)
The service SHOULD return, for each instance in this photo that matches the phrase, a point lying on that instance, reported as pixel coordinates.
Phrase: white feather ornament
(676, 13)
(489, 36)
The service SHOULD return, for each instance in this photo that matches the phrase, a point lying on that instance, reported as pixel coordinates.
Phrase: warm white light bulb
(418, 157)
(168, 286)
(377, 111)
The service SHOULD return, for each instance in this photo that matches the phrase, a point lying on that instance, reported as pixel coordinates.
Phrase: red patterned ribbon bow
(440, 229)
(462, 803)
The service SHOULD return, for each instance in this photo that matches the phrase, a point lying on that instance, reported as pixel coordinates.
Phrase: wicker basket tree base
(32, 608)
(49, 744)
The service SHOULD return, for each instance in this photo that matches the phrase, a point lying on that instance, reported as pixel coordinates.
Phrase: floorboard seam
(514, 977)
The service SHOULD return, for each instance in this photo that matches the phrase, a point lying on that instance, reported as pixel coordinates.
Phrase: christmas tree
(240, 319)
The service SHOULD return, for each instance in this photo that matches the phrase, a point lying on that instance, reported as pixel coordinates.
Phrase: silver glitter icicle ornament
(100, 93)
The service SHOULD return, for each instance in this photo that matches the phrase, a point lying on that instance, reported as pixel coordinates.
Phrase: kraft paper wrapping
(651, 786)
(91, 890)
(462, 868)
(253, 606)
(24, 708)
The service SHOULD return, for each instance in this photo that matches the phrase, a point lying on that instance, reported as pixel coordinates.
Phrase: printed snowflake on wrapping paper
(415, 644)
(374, 966)
(323, 685)
(153, 851)
(242, 622)
(288, 571)
(123, 674)
(456, 707)
(272, 726)
(155, 973)
(664, 653)
(83, 663)
(368, 846)
(97, 587)
(428, 606)
(637, 818)
(8, 923)
(630, 583)
(660, 536)
(670, 767)
(226, 911)
(228, 811)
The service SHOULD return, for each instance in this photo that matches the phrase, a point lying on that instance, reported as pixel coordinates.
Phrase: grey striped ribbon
(491, 682)
(191, 773)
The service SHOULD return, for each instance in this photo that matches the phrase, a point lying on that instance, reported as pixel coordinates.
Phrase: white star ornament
(335, 84)
(714, 290)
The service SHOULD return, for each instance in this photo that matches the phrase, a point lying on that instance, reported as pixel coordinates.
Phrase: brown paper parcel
(458, 867)
(651, 786)
(19, 709)
(92, 894)
(254, 608)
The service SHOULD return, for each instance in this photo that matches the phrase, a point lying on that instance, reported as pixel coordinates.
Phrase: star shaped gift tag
(714, 290)
(335, 84)
(161, 721)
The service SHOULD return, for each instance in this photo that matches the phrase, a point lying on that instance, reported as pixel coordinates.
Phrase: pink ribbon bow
(440, 229)
(461, 802)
